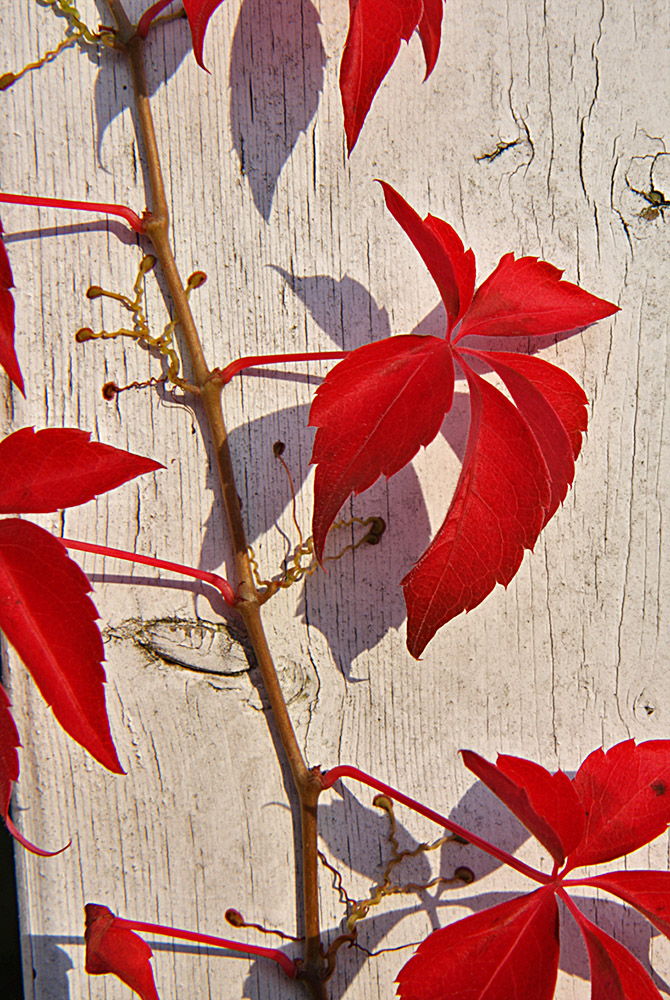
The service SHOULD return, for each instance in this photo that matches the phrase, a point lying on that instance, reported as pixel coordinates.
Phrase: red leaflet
(374, 411)
(451, 266)
(8, 359)
(430, 29)
(526, 296)
(508, 952)
(554, 407)
(49, 619)
(57, 468)
(546, 804)
(648, 892)
(110, 948)
(626, 796)
(615, 973)
(498, 510)
(520, 456)
(9, 772)
(376, 28)
(9, 759)
(198, 13)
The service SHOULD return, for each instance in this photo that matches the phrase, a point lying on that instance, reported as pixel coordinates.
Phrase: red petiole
(347, 771)
(214, 579)
(144, 22)
(127, 214)
(224, 375)
(287, 964)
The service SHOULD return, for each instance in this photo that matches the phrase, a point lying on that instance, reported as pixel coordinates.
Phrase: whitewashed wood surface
(301, 254)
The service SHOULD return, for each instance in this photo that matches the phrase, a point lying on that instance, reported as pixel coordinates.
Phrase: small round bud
(84, 334)
(234, 918)
(6, 80)
(383, 802)
(197, 279)
(147, 263)
(94, 292)
(278, 448)
(465, 875)
(109, 391)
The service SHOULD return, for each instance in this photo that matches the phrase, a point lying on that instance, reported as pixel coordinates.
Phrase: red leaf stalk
(127, 214)
(287, 964)
(214, 579)
(347, 771)
(224, 375)
(148, 16)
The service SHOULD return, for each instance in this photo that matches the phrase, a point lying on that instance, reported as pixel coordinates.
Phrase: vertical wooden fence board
(539, 131)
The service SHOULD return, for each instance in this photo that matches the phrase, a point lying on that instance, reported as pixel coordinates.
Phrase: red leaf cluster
(378, 406)
(45, 610)
(376, 29)
(8, 359)
(617, 802)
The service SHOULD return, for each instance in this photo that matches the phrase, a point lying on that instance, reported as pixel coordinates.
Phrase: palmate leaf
(8, 359)
(508, 952)
(520, 455)
(116, 949)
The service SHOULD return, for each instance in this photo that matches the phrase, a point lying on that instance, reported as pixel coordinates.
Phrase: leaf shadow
(344, 309)
(363, 588)
(50, 965)
(276, 77)
(167, 47)
(357, 835)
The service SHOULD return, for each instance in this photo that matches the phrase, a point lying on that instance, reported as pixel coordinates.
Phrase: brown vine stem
(313, 970)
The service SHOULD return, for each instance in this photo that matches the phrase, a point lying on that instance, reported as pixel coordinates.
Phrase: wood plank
(533, 134)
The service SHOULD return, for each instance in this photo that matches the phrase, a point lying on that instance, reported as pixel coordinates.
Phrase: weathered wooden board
(538, 126)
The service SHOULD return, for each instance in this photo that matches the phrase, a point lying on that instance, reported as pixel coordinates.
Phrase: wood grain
(534, 133)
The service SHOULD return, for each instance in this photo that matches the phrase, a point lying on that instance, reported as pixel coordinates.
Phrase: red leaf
(529, 381)
(508, 952)
(110, 948)
(648, 892)
(374, 410)
(520, 458)
(526, 296)
(49, 619)
(376, 28)
(198, 13)
(55, 468)
(626, 796)
(497, 511)
(546, 804)
(8, 359)
(615, 973)
(441, 249)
